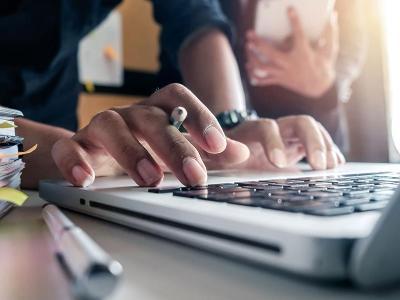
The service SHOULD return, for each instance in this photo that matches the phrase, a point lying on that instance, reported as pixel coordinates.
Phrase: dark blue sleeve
(181, 18)
(79, 17)
(48, 28)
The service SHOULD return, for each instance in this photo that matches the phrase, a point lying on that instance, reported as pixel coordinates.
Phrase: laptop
(332, 225)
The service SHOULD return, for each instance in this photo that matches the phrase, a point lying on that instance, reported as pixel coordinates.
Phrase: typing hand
(282, 143)
(115, 142)
(306, 69)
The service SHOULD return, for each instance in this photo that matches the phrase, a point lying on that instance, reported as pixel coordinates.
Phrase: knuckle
(59, 145)
(65, 160)
(104, 117)
(321, 148)
(176, 90)
(152, 115)
(205, 114)
(127, 150)
(152, 112)
(267, 123)
(305, 120)
(179, 146)
(329, 147)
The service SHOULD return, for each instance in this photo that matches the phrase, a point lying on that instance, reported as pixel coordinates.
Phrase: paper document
(100, 54)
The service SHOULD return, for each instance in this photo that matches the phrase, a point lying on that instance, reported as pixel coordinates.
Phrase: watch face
(233, 118)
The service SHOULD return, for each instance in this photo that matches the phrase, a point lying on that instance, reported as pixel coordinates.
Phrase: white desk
(159, 269)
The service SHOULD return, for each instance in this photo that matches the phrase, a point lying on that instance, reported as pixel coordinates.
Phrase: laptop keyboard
(321, 196)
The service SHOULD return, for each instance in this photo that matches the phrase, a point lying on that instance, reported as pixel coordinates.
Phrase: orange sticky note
(110, 53)
(33, 148)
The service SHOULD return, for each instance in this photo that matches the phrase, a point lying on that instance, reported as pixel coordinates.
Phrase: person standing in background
(301, 77)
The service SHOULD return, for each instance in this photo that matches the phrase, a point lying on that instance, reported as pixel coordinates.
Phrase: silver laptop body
(353, 246)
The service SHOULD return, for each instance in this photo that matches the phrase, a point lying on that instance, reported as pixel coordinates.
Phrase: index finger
(297, 27)
(200, 123)
(331, 38)
(308, 131)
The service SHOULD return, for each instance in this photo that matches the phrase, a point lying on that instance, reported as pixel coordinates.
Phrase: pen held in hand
(178, 116)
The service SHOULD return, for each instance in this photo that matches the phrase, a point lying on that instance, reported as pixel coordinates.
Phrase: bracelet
(232, 118)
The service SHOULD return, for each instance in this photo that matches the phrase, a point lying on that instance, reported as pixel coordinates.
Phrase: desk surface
(156, 268)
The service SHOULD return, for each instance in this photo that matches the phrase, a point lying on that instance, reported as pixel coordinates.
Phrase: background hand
(283, 143)
(305, 68)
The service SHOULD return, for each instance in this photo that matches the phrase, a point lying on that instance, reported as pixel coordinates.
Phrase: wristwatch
(231, 118)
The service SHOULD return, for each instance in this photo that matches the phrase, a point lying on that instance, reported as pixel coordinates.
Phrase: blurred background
(373, 110)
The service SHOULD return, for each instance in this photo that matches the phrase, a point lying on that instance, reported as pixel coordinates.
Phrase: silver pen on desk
(93, 272)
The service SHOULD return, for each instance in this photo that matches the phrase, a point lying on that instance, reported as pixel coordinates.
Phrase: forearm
(210, 70)
(39, 164)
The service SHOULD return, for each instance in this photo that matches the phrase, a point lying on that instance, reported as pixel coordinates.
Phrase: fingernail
(278, 158)
(251, 47)
(148, 172)
(333, 158)
(194, 172)
(341, 157)
(318, 160)
(254, 81)
(81, 176)
(214, 138)
(260, 73)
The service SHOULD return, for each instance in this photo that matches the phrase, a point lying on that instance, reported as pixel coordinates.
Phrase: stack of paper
(11, 165)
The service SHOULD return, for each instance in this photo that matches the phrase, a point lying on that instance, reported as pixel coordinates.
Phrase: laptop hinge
(375, 260)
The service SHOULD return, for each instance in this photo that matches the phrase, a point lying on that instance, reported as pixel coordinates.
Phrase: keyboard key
(282, 181)
(324, 194)
(371, 206)
(317, 178)
(194, 188)
(212, 191)
(377, 197)
(222, 186)
(299, 206)
(262, 188)
(284, 192)
(313, 189)
(355, 192)
(363, 186)
(388, 193)
(339, 189)
(341, 181)
(255, 202)
(164, 190)
(292, 197)
(320, 184)
(232, 196)
(250, 183)
(354, 201)
(190, 194)
(330, 212)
